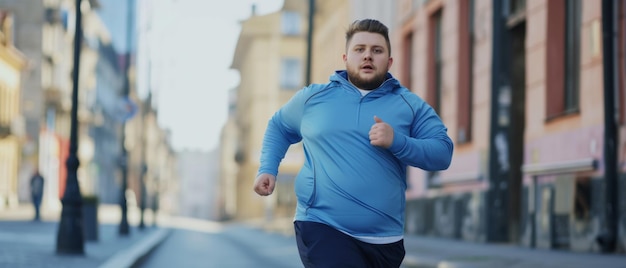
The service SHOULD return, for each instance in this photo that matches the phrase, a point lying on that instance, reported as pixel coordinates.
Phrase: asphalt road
(215, 245)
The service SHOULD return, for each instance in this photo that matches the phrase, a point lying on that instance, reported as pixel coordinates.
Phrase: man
(360, 131)
(36, 190)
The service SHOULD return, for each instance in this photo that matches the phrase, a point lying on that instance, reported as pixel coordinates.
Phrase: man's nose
(367, 55)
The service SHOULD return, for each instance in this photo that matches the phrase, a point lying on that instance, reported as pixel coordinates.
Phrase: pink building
(522, 86)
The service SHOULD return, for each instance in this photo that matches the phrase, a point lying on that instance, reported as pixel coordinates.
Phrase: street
(206, 244)
(184, 242)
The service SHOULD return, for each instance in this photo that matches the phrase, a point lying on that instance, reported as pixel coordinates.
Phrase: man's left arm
(428, 147)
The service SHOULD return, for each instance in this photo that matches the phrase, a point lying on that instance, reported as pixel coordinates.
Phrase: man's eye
(378, 50)
(360, 49)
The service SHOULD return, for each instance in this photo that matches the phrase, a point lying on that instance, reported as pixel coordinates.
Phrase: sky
(191, 48)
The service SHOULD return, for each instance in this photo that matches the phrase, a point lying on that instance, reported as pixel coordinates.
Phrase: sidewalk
(429, 252)
(433, 252)
(27, 243)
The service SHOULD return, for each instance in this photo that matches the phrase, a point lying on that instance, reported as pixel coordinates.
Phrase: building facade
(521, 92)
(270, 57)
(228, 167)
(12, 133)
(28, 26)
(44, 33)
(36, 59)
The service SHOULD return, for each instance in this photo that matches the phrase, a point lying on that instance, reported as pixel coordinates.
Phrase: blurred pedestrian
(36, 191)
(360, 131)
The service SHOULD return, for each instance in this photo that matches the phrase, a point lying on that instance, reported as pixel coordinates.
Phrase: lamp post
(608, 237)
(70, 233)
(155, 200)
(144, 167)
(142, 200)
(124, 228)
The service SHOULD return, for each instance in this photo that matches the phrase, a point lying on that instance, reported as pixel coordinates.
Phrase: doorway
(517, 34)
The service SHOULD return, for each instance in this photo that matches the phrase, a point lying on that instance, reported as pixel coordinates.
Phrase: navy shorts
(322, 246)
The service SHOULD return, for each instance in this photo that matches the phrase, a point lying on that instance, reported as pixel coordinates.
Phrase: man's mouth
(367, 67)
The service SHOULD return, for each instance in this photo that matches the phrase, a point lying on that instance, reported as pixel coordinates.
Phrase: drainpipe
(497, 195)
(608, 237)
(309, 49)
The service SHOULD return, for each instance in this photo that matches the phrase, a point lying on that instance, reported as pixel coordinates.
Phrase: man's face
(367, 60)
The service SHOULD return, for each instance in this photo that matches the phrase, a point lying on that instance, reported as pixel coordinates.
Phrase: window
(436, 62)
(515, 12)
(52, 15)
(435, 75)
(6, 28)
(572, 56)
(291, 73)
(517, 6)
(64, 18)
(563, 57)
(407, 69)
(290, 24)
(466, 70)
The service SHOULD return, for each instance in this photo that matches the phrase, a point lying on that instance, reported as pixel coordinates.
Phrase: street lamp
(155, 200)
(146, 108)
(70, 233)
(142, 200)
(124, 229)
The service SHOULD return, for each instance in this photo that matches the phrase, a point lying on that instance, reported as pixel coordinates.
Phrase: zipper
(314, 192)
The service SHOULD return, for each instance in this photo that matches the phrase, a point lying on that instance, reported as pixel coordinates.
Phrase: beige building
(12, 63)
(228, 168)
(331, 21)
(270, 57)
(160, 177)
(26, 35)
(153, 174)
(152, 171)
(46, 35)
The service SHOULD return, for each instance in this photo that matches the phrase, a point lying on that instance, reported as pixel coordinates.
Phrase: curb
(413, 261)
(417, 261)
(137, 252)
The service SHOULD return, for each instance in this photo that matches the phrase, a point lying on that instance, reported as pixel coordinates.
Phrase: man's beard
(366, 84)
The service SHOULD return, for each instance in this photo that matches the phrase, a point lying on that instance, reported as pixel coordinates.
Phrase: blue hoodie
(345, 181)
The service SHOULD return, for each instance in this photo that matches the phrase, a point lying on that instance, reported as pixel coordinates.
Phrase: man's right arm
(283, 129)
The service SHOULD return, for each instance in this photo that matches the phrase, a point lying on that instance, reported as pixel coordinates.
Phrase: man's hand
(264, 184)
(381, 133)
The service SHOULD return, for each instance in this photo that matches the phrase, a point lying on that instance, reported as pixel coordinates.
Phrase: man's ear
(345, 58)
(390, 62)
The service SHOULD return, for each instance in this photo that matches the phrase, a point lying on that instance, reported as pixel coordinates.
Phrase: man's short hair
(368, 25)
